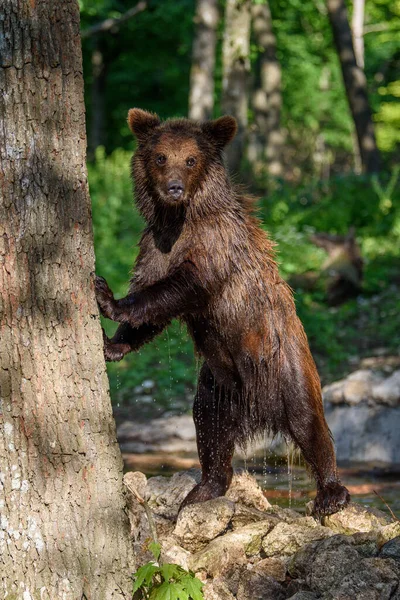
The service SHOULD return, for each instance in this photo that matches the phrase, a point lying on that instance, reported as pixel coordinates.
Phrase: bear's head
(174, 156)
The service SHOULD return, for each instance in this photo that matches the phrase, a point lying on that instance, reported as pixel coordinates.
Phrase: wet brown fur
(205, 260)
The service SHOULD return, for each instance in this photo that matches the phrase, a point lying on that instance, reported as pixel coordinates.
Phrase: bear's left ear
(222, 130)
(142, 122)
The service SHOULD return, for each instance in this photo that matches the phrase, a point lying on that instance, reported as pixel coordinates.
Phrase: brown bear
(205, 260)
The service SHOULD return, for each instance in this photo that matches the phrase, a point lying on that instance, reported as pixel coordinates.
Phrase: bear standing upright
(204, 259)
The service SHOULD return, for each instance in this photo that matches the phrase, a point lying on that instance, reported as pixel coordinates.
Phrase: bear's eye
(190, 161)
(161, 159)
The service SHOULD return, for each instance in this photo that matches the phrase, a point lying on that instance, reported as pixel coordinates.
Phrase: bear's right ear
(142, 122)
(221, 131)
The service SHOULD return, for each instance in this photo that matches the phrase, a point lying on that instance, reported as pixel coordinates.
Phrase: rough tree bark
(355, 84)
(201, 96)
(64, 532)
(265, 135)
(236, 70)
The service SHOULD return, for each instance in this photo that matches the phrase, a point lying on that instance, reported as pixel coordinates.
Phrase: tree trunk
(98, 95)
(355, 84)
(265, 137)
(201, 96)
(236, 69)
(64, 532)
(357, 26)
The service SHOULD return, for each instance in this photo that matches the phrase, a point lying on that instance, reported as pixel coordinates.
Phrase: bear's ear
(221, 131)
(142, 122)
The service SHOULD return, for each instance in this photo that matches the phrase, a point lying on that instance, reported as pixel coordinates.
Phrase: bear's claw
(332, 498)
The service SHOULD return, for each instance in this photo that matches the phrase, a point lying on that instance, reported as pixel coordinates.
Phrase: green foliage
(147, 61)
(370, 204)
(165, 581)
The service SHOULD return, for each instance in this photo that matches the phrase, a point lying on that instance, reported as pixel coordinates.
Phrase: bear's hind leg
(215, 439)
(309, 430)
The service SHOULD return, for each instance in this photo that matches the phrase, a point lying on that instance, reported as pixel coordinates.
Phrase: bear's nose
(175, 188)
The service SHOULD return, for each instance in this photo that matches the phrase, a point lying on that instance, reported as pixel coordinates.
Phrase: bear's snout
(175, 189)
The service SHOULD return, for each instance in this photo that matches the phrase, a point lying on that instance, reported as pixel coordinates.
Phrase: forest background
(297, 151)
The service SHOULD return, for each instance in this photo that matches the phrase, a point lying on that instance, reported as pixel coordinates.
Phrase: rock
(388, 391)
(300, 564)
(385, 364)
(135, 481)
(388, 532)
(288, 515)
(285, 539)
(172, 434)
(172, 553)
(198, 524)
(273, 567)
(391, 549)
(245, 489)
(244, 515)
(371, 579)
(366, 543)
(257, 586)
(356, 518)
(222, 553)
(355, 388)
(358, 386)
(217, 590)
(165, 495)
(363, 412)
(365, 433)
(303, 596)
(333, 392)
(331, 560)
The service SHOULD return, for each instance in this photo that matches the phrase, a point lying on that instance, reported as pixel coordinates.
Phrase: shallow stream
(370, 485)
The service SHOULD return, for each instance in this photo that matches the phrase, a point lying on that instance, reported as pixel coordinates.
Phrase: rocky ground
(244, 548)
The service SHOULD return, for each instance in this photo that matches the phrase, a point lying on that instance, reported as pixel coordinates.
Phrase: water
(286, 482)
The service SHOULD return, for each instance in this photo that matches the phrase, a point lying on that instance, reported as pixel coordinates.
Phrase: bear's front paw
(104, 297)
(330, 499)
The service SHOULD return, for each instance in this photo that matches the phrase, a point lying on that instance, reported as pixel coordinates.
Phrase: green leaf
(144, 575)
(169, 591)
(193, 586)
(155, 549)
(170, 571)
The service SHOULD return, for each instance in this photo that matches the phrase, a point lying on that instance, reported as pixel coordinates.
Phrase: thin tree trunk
(201, 96)
(64, 530)
(266, 137)
(355, 84)
(357, 26)
(98, 108)
(236, 70)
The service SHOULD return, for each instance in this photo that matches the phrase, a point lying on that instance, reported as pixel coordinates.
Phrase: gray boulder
(285, 539)
(200, 523)
(257, 586)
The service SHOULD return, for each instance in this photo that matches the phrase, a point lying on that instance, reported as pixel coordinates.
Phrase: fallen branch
(146, 507)
(387, 505)
(108, 24)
